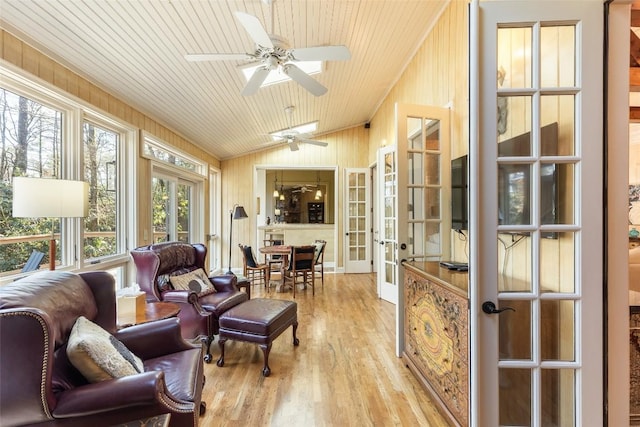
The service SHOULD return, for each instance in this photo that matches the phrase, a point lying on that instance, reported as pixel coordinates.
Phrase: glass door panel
(536, 357)
(357, 245)
(161, 191)
(172, 209)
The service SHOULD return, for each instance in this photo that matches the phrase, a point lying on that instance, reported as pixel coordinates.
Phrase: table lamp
(237, 212)
(50, 198)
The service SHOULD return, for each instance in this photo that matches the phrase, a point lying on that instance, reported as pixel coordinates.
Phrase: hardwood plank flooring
(343, 373)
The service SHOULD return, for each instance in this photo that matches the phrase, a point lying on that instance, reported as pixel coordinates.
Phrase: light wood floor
(343, 373)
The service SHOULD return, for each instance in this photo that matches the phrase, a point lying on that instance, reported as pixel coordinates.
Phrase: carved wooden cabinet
(436, 332)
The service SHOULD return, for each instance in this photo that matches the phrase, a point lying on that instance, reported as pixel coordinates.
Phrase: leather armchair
(41, 387)
(199, 313)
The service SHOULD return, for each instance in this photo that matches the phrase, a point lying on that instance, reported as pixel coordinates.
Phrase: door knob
(490, 308)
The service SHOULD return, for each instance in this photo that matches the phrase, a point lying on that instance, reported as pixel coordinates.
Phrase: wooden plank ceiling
(135, 50)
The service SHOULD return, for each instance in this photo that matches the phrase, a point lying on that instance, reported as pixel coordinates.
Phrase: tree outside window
(30, 145)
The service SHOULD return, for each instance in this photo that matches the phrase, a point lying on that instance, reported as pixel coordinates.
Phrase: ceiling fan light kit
(275, 56)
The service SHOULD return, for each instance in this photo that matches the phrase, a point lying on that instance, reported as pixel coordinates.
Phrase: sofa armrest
(184, 297)
(111, 395)
(224, 283)
(180, 296)
(154, 339)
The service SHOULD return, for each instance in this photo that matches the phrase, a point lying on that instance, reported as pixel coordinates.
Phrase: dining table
(283, 251)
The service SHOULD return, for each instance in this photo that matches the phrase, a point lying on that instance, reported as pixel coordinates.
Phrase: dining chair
(301, 264)
(251, 269)
(273, 260)
(319, 261)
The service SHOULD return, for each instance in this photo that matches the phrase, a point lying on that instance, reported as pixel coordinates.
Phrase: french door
(357, 258)
(387, 218)
(173, 209)
(412, 208)
(536, 208)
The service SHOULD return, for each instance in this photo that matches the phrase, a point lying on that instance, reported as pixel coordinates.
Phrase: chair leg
(312, 280)
(206, 342)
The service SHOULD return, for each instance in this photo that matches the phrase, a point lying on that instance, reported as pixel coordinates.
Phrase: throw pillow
(195, 280)
(98, 355)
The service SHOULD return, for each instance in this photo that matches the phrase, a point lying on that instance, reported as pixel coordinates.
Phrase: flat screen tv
(514, 184)
(514, 181)
(459, 194)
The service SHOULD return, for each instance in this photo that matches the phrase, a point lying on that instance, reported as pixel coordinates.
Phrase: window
(101, 147)
(31, 145)
(38, 138)
(177, 193)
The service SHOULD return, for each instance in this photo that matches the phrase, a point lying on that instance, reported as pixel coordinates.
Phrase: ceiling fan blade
(304, 80)
(322, 53)
(293, 145)
(255, 81)
(199, 57)
(255, 29)
(314, 142)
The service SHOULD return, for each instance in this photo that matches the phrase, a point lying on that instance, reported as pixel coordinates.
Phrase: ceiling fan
(274, 54)
(293, 137)
(304, 189)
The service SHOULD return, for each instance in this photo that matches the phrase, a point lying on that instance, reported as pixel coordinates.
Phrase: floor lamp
(50, 198)
(237, 212)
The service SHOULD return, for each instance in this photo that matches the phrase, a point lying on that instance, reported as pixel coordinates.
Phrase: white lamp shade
(50, 198)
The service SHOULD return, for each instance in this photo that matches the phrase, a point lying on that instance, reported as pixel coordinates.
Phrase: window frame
(74, 113)
(178, 174)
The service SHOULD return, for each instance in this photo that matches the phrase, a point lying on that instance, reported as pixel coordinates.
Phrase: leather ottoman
(260, 321)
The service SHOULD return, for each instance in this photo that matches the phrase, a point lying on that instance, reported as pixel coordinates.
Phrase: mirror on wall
(300, 196)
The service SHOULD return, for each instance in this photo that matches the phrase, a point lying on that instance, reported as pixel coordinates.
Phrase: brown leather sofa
(199, 312)
(40, 386)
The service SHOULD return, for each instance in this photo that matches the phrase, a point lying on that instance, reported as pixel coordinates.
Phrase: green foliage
(13, 256)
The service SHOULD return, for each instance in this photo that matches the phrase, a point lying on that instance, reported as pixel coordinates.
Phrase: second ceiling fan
(274, 54)
(292, 136)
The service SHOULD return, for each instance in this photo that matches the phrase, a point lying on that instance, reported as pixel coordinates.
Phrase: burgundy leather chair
(39, 385)
(199, 313)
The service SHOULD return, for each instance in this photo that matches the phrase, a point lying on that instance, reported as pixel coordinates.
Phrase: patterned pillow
(195, 280)
(98, 355)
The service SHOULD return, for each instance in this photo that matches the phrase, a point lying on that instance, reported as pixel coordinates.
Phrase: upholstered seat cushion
(98, 355)
(175, 376)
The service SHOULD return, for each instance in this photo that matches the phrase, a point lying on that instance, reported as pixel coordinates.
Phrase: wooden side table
(153, 311)
(244, 283)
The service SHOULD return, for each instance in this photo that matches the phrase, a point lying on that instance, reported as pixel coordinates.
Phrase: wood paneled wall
(25, 57)
(436, 76)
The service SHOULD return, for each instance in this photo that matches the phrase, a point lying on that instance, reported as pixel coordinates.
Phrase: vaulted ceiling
(135, 49)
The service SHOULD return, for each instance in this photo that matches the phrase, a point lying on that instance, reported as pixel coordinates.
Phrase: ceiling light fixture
(275, 185)
(309, 67)
(300, 129)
